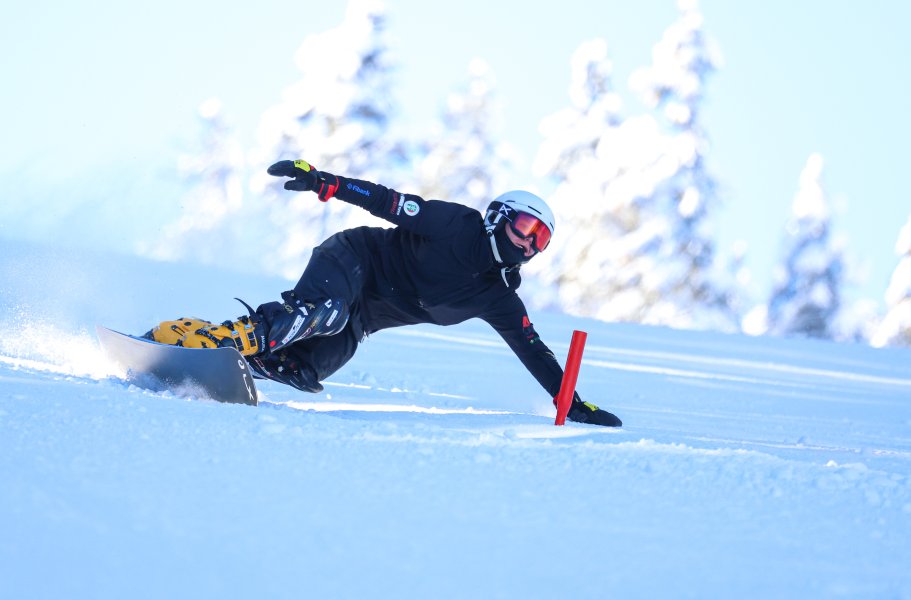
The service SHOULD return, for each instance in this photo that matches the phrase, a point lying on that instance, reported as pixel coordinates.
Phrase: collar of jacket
(496, 256)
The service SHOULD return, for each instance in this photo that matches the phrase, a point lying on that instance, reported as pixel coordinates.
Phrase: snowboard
(218, 373)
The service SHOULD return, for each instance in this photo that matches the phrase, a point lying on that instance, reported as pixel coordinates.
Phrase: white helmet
(505, 206)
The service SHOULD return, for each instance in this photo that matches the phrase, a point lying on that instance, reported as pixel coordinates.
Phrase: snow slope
(430, 468)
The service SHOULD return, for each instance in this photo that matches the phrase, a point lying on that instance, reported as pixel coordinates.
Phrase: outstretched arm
(511, 321)
(404, 210)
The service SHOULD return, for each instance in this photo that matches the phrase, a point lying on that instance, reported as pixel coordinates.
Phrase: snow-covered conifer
(336, 116)
(688, 283)
(203, 231)
(581, 151)
(806, 297)
(463, 161)
(895, 328)
(633, 195)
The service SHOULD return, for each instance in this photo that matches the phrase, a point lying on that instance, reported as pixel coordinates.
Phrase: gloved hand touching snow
(586, 412)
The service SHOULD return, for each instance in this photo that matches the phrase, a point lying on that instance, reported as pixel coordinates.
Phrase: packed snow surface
(430, 467)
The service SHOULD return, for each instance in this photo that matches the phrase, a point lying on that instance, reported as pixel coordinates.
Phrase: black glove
(586, 412)
(306, 178)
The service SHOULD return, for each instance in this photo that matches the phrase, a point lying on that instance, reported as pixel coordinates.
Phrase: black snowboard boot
(297, 319)
(586, 412)
(283, 368)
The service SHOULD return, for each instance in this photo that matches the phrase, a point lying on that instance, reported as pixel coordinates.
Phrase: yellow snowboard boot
(269, 328)
(198, 333)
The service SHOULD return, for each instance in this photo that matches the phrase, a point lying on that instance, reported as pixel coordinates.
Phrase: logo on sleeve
(411, 208)
(529, 330)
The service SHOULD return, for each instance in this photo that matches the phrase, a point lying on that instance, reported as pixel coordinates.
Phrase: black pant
(335, 270)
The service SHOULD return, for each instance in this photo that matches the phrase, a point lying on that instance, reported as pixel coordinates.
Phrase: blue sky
(99, 98)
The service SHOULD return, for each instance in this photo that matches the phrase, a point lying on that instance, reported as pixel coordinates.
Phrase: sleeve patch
(411, 208)
(529, 330)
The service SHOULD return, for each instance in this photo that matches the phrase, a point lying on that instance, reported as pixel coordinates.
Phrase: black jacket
(437, 266)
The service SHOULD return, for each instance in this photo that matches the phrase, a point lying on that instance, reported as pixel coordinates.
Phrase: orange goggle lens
(528, 226)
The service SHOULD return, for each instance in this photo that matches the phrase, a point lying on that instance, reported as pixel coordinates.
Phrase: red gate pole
(570, 374)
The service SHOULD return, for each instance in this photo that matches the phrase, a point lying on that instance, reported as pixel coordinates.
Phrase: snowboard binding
(198, 333)
(268, 329)
(285, 369)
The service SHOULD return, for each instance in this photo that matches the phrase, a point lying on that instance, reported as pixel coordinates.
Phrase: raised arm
(425, 217)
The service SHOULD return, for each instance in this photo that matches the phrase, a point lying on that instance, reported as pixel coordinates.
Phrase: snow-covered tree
(806, 298)
(208, 223)
(675, 83)
(463, 160)
(633, 195)
(895, 328)
(572, 135)
(581, 152)
(336, 116)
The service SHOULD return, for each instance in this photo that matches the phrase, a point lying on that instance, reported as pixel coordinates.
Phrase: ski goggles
(529, 226)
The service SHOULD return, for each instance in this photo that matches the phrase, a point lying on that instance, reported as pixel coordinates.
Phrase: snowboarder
(442, 263)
